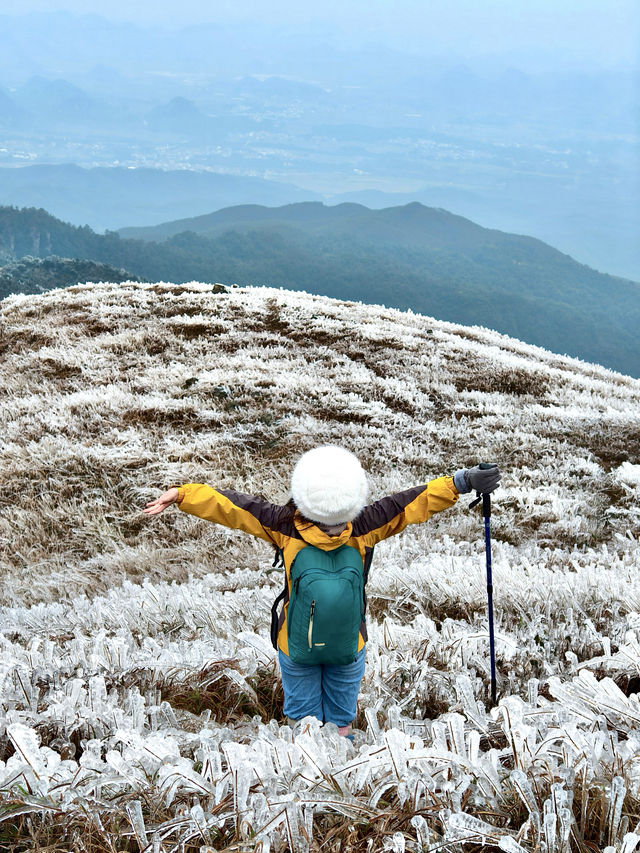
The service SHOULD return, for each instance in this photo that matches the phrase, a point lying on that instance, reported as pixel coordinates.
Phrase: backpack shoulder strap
(275, 616)
(368, 559)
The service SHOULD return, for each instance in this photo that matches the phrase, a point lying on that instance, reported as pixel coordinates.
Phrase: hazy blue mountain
(106, 198)
(549, 150)
(308, 216)
(59, 100)
(59, 42)
(179, 115)
(407, 257)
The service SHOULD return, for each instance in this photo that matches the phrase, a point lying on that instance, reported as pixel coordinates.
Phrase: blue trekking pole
(486, 513)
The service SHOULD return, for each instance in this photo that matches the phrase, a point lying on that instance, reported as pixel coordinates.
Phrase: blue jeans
(329, 693)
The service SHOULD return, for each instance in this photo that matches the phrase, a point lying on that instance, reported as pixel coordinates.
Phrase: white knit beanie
(328, 485)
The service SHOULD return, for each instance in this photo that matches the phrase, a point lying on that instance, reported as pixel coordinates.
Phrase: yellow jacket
(288, 531)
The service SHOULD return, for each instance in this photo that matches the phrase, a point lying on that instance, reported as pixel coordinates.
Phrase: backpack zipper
(310, 633)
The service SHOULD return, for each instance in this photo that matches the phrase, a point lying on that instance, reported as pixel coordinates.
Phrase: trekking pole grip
(484, 496)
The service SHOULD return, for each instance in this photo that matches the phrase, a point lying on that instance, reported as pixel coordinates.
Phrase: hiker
(325, 536)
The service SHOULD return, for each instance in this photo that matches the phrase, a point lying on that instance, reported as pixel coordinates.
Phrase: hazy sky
(549, 31)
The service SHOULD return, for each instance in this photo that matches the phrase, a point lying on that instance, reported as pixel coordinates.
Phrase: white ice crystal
(629, 474)
(102, 611)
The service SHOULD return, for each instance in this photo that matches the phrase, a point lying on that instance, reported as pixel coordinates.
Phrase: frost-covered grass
(139, 698)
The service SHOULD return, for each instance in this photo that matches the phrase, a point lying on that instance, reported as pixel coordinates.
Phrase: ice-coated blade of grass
(139, 693)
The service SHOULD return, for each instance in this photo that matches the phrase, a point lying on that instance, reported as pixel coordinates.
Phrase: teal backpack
(326, 605)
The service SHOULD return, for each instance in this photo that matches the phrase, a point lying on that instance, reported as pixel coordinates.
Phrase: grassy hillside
(185, 381)
(139, 698)
(411, 257)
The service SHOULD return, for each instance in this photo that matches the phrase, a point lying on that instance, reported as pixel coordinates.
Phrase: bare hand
(160, 504)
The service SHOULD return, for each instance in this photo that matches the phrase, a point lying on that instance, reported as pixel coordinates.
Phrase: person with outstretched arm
(325, 536)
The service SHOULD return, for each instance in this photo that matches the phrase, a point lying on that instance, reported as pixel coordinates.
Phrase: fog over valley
(525, 123)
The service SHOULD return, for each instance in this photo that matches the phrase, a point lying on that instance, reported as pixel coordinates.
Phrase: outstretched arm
(160, 504)
(392, 514)
(251, 514)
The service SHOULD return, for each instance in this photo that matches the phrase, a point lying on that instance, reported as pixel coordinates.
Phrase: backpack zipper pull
(310, 634)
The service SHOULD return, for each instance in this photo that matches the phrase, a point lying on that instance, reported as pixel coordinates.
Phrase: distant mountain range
(410, 257)
(136, 196)
(110, 197)
(550, 150)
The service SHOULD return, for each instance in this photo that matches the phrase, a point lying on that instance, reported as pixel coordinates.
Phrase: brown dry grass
(210, 689)
(80, 467)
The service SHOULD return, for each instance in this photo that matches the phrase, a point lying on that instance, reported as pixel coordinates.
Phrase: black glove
(481, 478)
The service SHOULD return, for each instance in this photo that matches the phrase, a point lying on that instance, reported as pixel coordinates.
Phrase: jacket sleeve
(392, 514)
(233, 509)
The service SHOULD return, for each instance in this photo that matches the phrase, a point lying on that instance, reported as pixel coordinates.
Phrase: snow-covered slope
(111, 621)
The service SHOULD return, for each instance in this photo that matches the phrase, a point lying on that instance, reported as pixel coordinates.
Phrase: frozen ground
(139, 700)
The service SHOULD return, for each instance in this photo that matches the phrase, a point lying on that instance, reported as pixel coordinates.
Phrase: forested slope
(412, 257)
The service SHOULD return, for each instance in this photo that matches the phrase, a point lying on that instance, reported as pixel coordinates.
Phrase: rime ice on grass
(134, 660)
